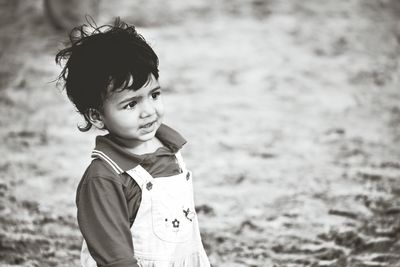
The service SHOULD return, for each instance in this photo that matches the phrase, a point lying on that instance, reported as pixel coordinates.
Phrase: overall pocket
(172, 213)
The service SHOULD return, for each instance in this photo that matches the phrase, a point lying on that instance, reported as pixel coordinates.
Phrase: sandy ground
(292, 112)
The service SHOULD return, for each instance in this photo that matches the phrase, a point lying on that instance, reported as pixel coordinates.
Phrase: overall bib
(165, 232)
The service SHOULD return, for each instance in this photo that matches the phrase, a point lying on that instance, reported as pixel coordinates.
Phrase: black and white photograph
(223, 133)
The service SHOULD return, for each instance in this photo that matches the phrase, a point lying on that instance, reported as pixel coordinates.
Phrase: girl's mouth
(148, 125)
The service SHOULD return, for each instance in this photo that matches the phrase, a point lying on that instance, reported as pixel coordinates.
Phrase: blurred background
(291, 109)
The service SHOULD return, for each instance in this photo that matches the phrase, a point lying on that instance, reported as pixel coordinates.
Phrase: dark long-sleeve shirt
(108, 202)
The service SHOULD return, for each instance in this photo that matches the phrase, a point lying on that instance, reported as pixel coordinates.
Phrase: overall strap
(181, 163)
(140, 175)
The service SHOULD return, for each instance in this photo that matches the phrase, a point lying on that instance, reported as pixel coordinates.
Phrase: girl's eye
(131, 105)
(155, 95)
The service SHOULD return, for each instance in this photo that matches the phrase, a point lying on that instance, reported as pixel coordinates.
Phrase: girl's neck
(147, 147)
(141, 148)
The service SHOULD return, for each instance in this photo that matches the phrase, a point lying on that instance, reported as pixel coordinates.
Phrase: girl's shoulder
(99, 169)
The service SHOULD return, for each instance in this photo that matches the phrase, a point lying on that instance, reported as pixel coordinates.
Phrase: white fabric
(165, 232)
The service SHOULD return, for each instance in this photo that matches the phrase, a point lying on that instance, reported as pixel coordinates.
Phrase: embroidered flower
(175, 223)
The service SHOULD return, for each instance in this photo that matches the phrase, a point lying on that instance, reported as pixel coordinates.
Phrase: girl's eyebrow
(129, 99)
(155, 89)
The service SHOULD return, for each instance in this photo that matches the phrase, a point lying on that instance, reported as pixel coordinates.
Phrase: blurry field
(291, 109)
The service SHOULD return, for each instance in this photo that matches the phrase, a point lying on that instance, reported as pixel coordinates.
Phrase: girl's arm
(104, 222)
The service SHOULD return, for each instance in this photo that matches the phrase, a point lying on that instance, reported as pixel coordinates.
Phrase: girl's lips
(149, 127)
(148, 124)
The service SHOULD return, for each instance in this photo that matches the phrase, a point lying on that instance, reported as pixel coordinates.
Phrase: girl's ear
(95, 118)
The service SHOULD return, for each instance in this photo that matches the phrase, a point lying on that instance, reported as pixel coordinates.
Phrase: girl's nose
(147, 109)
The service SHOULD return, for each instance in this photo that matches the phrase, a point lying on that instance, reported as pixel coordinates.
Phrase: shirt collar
(127, 160)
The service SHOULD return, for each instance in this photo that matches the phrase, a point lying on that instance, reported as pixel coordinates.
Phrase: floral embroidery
(175, 223)
(188, 214)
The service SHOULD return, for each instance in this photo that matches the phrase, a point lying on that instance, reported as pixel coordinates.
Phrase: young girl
(135, 199)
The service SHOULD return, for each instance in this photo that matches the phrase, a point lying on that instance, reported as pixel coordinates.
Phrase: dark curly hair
(101, 60)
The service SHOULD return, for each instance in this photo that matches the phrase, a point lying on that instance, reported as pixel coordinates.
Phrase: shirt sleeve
(104, 222)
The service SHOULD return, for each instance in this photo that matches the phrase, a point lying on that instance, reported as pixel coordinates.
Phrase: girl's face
(133, 117)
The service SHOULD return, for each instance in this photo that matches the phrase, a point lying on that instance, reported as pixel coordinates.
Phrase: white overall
(165, 232)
